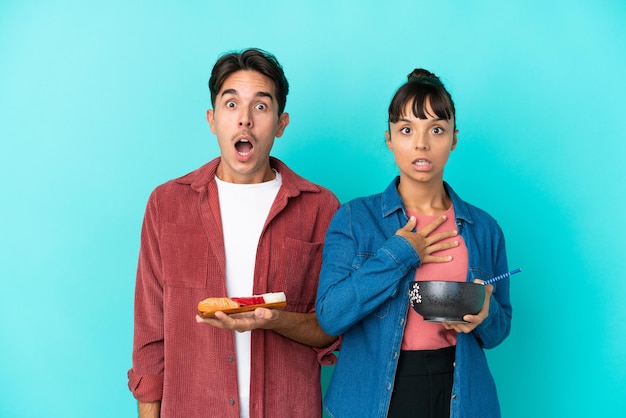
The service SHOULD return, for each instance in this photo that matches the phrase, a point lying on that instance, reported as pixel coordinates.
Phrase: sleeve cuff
(326, 356)
(145, 388)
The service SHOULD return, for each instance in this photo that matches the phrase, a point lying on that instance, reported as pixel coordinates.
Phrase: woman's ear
(388, 140)
(454, 140)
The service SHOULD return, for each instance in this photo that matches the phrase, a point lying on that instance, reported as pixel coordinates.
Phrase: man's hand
(246, 321)
(426, 244)
(299, 327)
(473, 320)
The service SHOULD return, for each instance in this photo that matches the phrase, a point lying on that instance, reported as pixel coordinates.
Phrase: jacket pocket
(476, 273)
(297, 271)
(184, 254)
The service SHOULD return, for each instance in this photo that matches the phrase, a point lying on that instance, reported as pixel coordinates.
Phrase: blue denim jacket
(363, 296)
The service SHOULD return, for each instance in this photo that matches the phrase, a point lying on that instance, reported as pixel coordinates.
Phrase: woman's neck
(424, 199)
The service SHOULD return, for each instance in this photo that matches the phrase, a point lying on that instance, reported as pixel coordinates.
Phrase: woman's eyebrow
(437, 119)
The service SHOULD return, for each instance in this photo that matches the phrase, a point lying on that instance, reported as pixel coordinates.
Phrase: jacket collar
(392, 202)
(292, 183)
(461, 209)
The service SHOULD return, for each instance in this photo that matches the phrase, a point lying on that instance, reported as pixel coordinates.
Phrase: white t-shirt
(244, 209)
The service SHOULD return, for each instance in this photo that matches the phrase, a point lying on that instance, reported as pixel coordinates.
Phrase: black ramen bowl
(440, 301)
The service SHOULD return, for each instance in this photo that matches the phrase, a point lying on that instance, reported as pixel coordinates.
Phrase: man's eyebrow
(264, 94)
(258, 94)
(229, 91)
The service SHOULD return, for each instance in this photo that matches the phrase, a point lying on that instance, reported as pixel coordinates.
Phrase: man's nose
(245, 119)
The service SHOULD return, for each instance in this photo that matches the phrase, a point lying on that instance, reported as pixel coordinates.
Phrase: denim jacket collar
(392, 202)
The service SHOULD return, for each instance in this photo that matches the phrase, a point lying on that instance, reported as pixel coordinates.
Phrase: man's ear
(283, 121)
(211, 119)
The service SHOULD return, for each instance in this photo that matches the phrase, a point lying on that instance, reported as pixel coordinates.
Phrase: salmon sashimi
(208, 307)
(217, 304)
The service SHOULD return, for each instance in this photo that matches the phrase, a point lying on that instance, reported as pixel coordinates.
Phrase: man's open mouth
(243, 147)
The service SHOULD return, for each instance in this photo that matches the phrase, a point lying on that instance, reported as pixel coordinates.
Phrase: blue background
(100, 102)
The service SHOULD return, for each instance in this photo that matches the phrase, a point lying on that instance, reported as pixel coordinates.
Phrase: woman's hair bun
(419, 73)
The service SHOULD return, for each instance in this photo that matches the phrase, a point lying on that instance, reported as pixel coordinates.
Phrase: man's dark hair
(252, 59)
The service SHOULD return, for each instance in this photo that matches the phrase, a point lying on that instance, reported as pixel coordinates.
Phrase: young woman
(392, 363)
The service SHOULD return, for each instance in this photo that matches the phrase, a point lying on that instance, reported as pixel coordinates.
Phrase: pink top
(192, 368)
(420, 334)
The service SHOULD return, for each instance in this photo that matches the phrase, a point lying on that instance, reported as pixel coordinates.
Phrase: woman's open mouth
(422, 164)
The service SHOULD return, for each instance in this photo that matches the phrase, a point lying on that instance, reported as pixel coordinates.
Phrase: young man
(240, 225)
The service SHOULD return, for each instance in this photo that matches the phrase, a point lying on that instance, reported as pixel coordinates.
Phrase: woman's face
(421, 147)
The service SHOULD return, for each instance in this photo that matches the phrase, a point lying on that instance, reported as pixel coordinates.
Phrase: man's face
(245, 120)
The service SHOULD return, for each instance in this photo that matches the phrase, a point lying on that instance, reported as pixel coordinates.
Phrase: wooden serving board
(246, 308)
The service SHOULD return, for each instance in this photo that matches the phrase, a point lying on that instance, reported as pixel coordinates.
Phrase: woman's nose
(421, 143)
